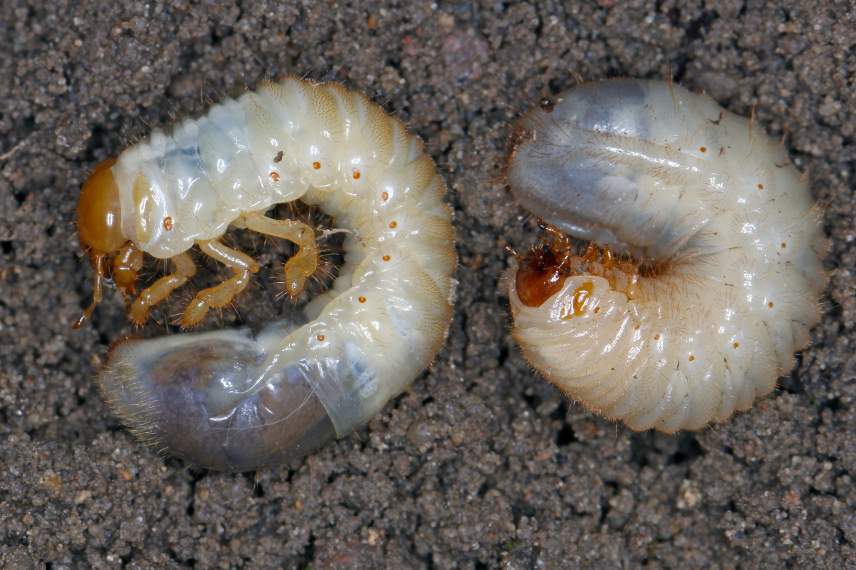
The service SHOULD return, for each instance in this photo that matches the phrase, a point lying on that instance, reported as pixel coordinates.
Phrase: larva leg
(162, 288)
(126, 265)
(100, 273)
(304, 263)
(241, 264)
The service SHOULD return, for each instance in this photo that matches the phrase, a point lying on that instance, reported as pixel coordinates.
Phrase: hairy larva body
(230, 401)
(710, 272)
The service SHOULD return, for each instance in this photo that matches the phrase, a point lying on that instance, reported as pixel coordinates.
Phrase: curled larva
(708, 272)
(227, 400)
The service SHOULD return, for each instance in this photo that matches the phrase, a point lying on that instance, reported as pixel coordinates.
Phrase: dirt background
(480, 464)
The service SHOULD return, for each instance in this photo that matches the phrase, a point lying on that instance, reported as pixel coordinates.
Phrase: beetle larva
(709, 271)
(228, 401)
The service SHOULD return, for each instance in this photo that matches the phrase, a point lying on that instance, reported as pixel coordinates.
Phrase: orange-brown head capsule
(99, 216)
(99, 226)
(541, 274)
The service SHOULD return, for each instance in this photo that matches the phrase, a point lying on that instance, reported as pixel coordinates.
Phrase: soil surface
(481, 464)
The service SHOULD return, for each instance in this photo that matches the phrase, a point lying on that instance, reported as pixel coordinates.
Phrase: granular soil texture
(481, 464)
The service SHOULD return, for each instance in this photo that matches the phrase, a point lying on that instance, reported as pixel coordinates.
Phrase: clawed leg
(162, 288)
(126, 265)
(304, 263)
(98, 261)
(241, 264)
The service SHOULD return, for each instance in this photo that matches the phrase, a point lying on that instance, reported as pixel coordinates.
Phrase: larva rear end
(206, 398)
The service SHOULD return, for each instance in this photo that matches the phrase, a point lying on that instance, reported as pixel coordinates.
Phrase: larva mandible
(228, 401)
(709, 271)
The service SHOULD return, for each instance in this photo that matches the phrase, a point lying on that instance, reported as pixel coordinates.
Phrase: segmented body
(713, 272)
(229, 401)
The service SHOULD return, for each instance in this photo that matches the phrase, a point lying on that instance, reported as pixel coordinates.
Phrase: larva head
(99, 216)
(540, 275)
(99, 227)
(542, 272)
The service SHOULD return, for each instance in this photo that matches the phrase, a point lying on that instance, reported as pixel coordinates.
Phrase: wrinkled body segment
(230, 401)
(711, 271)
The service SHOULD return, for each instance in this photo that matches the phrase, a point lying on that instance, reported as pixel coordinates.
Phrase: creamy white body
(679, 183)
(366, 339)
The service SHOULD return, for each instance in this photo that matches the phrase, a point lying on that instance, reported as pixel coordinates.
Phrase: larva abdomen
(712, 273)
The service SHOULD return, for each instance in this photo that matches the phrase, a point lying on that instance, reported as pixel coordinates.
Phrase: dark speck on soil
(481, 464)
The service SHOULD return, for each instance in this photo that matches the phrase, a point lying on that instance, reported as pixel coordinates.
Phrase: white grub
(712, 217)
(227, 400)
